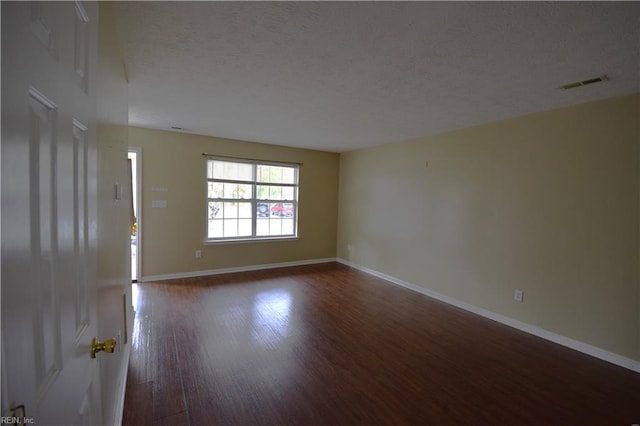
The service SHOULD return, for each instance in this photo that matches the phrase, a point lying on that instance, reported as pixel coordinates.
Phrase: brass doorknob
(108, 345)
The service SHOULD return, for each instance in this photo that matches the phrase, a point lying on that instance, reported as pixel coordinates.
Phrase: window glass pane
(262, 209)
(288, 192)
(244, 227)
(218, 170)
(215, 229)
(214, 210)
(275, 174)
(262, 227)
(229, 210)
(262, 192)
(275, 193)
(244, 210)
(288, 175)
(282, 209)
(231, 171)
(245, 191)
(230, 190)
(215, 189)
(266, 174)
(275, 227)
(230, 227)
(287, 226)
(262, 173)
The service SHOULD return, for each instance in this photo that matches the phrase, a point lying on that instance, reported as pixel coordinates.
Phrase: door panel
(43, 215)
(43, 25)
(80, 227)
(49, 211)
(81, 46)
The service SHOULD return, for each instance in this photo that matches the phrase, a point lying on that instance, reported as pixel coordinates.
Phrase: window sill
(250, 240)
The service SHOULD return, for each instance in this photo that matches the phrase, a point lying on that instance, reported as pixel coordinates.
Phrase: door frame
(138, 209)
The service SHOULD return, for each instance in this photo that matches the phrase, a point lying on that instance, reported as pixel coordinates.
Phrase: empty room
(320, 213)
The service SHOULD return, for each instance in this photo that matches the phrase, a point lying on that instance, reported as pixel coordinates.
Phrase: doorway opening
(134, 154)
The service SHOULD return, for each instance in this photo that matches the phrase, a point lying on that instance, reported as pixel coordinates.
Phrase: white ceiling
(339, 76)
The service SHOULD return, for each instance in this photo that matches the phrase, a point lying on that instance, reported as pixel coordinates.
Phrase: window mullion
(229, 200)
(254, 203)
(240, 182)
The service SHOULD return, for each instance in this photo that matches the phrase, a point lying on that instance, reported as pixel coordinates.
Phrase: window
(251, 200)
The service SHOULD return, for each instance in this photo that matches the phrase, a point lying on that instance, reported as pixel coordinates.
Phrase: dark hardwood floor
(330, 345)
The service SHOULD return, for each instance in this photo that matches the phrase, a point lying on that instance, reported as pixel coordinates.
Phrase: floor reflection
(138, 339)
(271, 315)
(135, 291)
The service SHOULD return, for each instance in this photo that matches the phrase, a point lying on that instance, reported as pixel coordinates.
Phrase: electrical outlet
(198, 254)
(518, 295)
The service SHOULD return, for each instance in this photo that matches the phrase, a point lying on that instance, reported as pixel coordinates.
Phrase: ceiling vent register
(584, 82)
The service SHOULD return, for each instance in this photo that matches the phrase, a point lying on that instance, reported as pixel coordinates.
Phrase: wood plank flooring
(330, 345)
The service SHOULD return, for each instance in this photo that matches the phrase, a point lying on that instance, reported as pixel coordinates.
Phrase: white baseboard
(528, 328)
(219, 271)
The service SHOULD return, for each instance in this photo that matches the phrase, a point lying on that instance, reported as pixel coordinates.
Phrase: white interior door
(49, 204)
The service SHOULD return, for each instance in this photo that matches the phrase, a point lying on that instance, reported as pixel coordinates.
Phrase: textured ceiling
(339, 76)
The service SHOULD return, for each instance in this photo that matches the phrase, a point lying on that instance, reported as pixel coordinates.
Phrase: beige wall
(547, 203)
(114, 279)
(171, 236)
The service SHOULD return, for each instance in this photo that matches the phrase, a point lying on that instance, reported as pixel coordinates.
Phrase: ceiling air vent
(584, 82)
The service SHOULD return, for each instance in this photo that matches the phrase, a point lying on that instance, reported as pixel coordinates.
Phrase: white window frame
(253, 200)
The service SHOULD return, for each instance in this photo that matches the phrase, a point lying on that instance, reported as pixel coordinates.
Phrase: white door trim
(138, 206)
